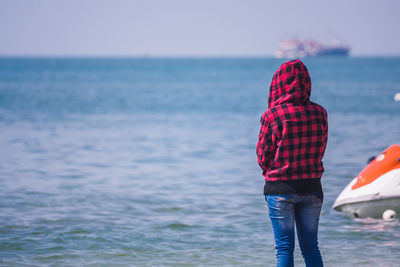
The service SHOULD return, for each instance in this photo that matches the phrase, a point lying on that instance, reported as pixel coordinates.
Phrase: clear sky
(192, 27)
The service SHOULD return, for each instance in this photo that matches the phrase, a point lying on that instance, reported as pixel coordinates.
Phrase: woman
(290, 148)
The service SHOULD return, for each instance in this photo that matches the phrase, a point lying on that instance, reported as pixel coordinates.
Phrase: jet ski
(375, 192)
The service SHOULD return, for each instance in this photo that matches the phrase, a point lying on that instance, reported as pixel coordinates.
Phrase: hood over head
(291, 83)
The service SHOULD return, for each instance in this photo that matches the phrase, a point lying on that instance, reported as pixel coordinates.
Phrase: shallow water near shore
(151, 162)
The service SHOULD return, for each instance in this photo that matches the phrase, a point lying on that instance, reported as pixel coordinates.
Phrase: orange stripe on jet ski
(385, 162)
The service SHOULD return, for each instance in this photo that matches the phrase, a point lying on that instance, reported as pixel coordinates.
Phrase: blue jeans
(284, 211)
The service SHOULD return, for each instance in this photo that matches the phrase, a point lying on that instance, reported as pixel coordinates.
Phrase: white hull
(372, 209)
(373, 199)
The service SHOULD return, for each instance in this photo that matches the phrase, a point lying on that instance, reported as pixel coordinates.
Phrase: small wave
(178, 226)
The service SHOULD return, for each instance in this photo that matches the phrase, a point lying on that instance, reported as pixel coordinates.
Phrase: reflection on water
(374, 225)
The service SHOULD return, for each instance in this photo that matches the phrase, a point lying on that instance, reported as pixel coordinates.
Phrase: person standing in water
(290, 148)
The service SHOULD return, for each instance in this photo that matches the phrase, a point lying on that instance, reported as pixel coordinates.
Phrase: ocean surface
(151, 162)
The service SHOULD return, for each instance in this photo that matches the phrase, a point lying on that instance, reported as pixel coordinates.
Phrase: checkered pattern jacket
(294, 130)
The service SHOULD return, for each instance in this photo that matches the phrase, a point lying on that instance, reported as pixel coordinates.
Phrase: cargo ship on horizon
(295, 48)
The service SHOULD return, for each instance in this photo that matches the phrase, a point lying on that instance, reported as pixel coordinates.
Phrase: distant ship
(309, 48)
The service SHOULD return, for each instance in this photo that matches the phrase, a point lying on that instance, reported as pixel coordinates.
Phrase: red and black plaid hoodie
(293, 134)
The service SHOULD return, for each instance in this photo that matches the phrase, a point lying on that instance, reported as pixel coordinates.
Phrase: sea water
(151, 161)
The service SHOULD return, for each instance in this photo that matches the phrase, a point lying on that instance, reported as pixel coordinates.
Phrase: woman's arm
(264, 144)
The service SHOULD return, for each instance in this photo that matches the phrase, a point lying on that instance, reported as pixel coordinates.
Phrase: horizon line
(160, 56)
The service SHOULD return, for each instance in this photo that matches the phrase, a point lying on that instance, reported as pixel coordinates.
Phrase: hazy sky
(192, 27)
